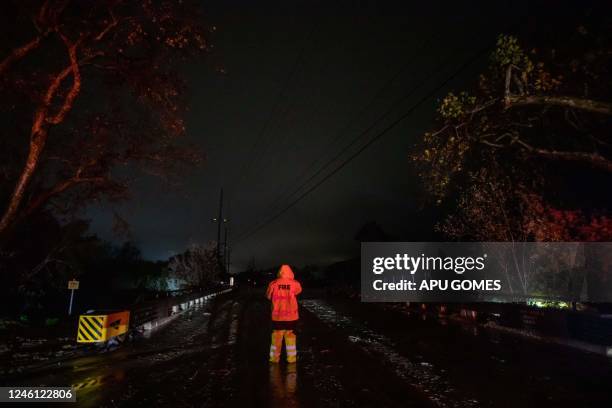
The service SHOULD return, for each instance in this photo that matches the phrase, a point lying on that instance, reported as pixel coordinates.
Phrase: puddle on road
(422, 376)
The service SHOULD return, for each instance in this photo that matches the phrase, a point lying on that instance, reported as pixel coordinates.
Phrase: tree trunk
(40, 131)
(37, 145)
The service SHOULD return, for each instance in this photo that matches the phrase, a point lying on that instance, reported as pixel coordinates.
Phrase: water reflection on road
(283, 385)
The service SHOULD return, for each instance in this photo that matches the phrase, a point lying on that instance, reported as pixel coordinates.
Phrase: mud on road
(349, 355)
(216, 355)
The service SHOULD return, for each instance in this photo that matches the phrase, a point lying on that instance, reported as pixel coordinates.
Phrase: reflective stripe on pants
(290, 345)
(277, 345)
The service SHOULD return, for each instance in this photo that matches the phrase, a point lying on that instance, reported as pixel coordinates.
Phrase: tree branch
(594, 159)
(18, 53)
(588, 105)
(76, 83)
(39, 133)
(112, 24)
(495, 145)
(59, 188)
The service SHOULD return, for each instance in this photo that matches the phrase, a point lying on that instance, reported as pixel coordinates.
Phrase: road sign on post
(72, 285)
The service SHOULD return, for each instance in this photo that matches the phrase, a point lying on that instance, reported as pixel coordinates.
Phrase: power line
(356, 116)
(377, 137)
(251, 157)
(363, 133)
(367, 130)
(284, 196)
(264, 164)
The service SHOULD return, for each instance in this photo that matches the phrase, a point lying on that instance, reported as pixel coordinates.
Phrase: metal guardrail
(164, 308)
(99, 327)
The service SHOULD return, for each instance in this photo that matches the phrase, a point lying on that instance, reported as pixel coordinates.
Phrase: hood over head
(285, 272)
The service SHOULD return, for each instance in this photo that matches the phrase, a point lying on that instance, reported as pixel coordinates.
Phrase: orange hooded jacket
(282, 293)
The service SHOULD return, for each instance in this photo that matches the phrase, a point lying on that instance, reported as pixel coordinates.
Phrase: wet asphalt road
(350, 355)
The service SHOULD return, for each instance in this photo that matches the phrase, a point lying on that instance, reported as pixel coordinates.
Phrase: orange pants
(277, 345)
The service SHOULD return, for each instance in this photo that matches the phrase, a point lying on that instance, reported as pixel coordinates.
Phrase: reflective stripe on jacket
(282, 293)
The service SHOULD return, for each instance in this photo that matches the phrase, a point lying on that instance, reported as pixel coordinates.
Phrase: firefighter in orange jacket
(282, 292)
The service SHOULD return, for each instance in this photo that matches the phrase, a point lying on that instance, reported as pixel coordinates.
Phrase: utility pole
(220, 220)
(228, 260)
(225, 250)
(231, 277)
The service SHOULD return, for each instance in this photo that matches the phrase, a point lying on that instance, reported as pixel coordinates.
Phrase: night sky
(345, 53)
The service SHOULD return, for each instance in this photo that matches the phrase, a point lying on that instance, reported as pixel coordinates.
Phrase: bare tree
(196, 267)
(89, 86)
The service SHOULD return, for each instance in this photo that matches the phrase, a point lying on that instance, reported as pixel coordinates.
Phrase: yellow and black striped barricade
(100, 327)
